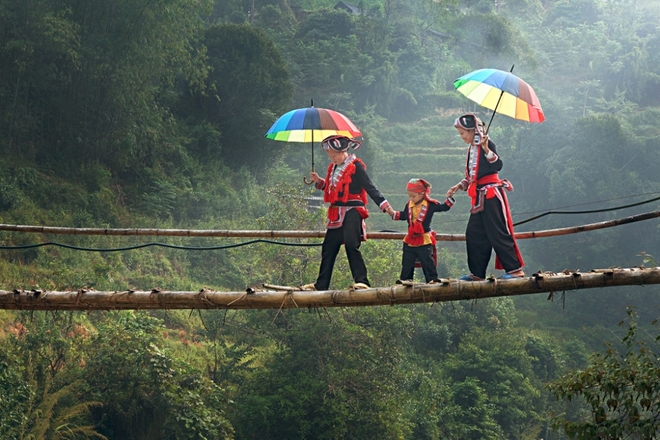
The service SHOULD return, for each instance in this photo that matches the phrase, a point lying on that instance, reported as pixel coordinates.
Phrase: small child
(419, 242)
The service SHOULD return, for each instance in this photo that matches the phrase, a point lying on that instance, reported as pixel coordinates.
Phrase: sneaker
(508, 276)
(470, 277)
(359, 286)
(310, 286)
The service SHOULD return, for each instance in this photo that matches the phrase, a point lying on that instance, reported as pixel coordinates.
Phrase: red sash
(490, 179)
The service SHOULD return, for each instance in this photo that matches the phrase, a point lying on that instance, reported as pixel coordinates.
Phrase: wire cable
(171, 246)
(592, 211)
(577, 212)
(281, 243)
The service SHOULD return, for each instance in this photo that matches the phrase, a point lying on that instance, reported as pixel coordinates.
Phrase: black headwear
(467, 121)
(340, 143)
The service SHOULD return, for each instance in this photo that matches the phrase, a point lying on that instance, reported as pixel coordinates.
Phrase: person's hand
(452, 191)
(484, 144)
(389, 211)
(313, 176)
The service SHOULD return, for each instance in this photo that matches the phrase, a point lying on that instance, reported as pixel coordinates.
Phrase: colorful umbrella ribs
(518, 100)
(311, 125)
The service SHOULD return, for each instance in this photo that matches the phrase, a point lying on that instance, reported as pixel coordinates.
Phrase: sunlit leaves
(620, 386)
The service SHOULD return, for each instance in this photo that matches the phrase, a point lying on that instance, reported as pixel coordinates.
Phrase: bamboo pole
(449, 290)
(270, 234)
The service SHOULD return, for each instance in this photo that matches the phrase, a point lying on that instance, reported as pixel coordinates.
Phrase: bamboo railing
(227, 233)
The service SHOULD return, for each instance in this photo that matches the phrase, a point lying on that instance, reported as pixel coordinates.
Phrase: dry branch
(452, 290)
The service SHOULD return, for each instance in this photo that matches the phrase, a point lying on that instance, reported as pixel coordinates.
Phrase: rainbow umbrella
(503, 92)
(311, 124)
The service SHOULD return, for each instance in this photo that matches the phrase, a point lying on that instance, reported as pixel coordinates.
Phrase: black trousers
(487, 230)
(351, 235)
(425, 256)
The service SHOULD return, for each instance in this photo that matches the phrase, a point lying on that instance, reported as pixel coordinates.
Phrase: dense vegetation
(153, 114)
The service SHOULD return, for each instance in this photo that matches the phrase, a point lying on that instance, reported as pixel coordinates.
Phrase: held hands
(452, 190)
(387, 208)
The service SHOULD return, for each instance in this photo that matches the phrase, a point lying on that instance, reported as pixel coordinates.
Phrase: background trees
(152, 114)
(620, 388)
(247, 81)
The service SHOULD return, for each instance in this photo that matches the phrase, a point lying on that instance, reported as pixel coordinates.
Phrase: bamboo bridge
(278, 297)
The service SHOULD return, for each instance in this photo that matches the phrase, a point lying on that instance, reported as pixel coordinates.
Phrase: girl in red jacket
(419, 242)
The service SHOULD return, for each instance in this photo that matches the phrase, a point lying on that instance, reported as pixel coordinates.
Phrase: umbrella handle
(309, 182)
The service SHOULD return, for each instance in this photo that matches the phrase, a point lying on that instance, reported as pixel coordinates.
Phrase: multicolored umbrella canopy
(311, 124)
(503, 92)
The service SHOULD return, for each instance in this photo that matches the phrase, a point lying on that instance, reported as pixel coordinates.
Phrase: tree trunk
(449, 290)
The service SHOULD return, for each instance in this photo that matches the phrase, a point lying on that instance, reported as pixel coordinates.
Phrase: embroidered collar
(338, 170)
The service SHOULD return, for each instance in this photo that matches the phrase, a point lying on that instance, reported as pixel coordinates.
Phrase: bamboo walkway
(284, 297)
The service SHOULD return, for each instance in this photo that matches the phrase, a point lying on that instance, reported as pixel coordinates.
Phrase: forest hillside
(153, 114)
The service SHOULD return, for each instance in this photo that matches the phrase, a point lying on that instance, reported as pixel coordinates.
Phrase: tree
(86, 80)
(334, 377)
(498, 371)
(621, 388)
(47, 400)
(146, 391)
(573, 12)
(248, 86)
(14, 393)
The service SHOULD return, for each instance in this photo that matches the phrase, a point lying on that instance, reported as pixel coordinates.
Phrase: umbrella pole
(305, 178)
(496, 105)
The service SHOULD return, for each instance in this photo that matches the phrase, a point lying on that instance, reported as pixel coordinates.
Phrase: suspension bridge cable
(235, 245)
(386, 235)
(592, 211)
(553, 211)
(171, 246)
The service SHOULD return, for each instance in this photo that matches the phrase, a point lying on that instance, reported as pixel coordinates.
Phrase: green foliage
(14, 393)
(83, 79)
(53, 403)
(495, 38)
(566, 13)
(140, 114)
(248, 87)
(499, 363)
(147, 393)
(334, 377)
(621, 388)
